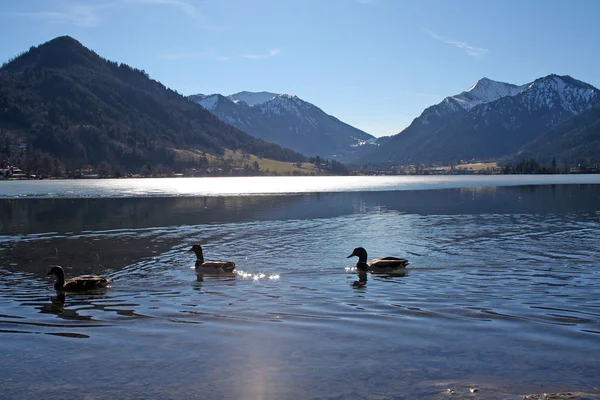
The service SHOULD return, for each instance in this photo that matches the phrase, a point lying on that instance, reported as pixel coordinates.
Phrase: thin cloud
(185, 7)
(78, 15)
(271, 53)
(470, 50)
(85, 15)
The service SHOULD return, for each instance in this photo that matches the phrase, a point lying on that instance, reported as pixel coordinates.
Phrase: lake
(502, 293)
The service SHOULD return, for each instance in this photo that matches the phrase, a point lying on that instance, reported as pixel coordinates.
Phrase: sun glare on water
(225, 186)
(257, 276)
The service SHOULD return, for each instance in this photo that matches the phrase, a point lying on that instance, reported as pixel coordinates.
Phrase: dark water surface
(503, 294)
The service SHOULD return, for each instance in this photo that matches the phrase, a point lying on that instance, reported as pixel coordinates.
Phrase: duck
(378, 265)
(78, 283)
(210, 267)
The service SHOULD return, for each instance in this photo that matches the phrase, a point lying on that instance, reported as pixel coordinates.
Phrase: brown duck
(79, 283)
(210, 267)
(381, 265)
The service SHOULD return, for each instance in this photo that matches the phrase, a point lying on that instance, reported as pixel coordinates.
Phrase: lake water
(502, 293)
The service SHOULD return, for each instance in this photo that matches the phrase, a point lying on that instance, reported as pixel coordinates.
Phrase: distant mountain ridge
(65, 101)
(288, 121)
(491, 120)
(249, 98)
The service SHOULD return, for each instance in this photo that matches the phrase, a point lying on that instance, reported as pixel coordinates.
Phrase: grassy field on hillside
(239, 159)
(265, 164)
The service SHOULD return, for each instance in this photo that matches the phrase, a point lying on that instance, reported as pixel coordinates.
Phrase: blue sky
(375, 64)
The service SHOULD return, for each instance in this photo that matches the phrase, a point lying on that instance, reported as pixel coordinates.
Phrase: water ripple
(499, 295)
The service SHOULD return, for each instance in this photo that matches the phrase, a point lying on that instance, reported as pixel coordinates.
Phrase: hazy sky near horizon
(375, 64)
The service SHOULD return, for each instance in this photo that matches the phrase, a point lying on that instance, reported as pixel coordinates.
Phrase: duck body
(210, 267)
(215, 267)
(378, 265)
(78, 283)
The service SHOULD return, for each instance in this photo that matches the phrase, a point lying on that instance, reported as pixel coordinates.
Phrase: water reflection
(60, 216)
(68, 305)
(363, 276)
(503, 289)
(56, 305)
(362, 280)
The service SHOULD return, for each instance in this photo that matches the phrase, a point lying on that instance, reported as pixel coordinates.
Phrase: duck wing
(390, 259)
(216, 266)
(86, 282)
(388, 263)
(228, 266)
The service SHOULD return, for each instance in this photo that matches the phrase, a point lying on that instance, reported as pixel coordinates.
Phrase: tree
(104, 169)
(146, 170)
(56, 168)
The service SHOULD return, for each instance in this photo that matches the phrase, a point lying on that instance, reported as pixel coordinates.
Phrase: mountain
(63, 100)
(484, 91)
(575, 141)
(288, 121)
(252, 98)
(489, 121)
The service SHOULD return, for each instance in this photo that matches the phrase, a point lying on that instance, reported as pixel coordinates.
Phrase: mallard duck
(210, 267)
(383, 264)
(79, 283)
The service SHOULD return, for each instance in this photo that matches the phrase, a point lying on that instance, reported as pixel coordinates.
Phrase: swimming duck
(79, 283)
(382, 265)
(210, 267)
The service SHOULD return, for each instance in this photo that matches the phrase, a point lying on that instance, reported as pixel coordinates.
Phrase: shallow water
(503, 293)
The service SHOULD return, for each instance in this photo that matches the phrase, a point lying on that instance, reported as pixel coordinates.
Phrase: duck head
(60, 276)
(198, 250)
(57, 271)
(359, 252)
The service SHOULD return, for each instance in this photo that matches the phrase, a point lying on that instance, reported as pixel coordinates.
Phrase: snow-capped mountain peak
(486, 91)
(209, 102)
(560, 91)
(252, 98)
(493, 120)
(287, 120)
(562, 95)
(289, 103)
(483, 91)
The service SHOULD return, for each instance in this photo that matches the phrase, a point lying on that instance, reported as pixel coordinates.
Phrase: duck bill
(351, 255)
